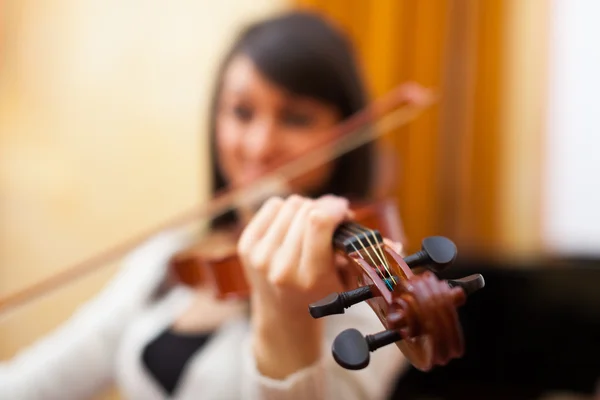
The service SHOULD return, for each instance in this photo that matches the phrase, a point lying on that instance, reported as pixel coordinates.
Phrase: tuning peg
(436, 251)
(469, 284)
(351, 349)
(336, 303)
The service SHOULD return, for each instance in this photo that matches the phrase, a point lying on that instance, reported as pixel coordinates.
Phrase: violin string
(361, 256)
(371, 245)
(365, 248)
(397, 271)
(381, 257)
(376, 266)
(357, 251)
(379, 252)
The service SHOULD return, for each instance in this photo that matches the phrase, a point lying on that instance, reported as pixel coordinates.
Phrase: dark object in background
(533, 330)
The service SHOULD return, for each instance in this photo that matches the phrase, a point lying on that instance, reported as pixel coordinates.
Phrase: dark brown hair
(303, 53)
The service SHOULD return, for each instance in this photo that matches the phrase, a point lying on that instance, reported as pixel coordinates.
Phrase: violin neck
(351, 237)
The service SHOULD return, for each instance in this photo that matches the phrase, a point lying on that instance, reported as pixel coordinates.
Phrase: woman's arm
(289, 261)
(324, 378)
(76, 360)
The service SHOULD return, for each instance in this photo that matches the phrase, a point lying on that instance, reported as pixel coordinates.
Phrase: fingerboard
(351, 237)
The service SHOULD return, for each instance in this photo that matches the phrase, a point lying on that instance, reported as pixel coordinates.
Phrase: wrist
(282, 329)
(284, 343)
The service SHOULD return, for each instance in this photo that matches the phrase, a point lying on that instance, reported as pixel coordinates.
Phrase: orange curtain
(452, 176)
(392, 53)
(399, 41)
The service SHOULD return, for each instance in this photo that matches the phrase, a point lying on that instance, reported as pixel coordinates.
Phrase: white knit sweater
(102, 343)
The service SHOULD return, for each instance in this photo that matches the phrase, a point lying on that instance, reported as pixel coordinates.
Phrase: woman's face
(259, 124)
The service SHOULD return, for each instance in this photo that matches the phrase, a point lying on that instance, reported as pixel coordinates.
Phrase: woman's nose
(261, 141)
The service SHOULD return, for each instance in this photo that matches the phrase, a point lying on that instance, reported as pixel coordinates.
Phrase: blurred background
(102, 119)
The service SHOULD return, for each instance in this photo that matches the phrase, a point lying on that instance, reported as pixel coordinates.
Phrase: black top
(168, 354)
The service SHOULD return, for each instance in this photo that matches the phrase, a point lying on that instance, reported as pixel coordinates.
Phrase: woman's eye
(242, 113)
(297, 119)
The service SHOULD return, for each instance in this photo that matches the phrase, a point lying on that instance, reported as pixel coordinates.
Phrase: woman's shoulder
(157, 248)
(143, 269)
(155, 251)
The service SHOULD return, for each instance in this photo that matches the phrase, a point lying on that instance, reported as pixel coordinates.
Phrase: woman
(284, 82)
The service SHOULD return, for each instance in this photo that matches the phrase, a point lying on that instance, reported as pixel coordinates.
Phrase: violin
(418, 311)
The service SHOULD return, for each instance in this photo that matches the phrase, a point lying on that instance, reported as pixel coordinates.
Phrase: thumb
(395, 246)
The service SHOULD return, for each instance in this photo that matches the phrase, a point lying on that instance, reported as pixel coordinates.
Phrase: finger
(335, 207)
(334, 200)
(351, 215)
(266, 251)
(279, 226)
(329, 203)
(395, 246)
(288, 255)
(317, 250)
(258, 225)
(341, 261)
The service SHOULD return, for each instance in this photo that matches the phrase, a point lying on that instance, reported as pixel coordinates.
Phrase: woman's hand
(289, 262)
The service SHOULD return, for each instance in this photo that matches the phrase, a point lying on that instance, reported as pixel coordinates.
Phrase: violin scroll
(419, 311)
(437, 252)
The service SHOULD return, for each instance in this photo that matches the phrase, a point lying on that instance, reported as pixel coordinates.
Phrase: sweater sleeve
(326, 379)
(76, 360)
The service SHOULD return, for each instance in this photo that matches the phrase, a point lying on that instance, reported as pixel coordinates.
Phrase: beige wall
(102, 109)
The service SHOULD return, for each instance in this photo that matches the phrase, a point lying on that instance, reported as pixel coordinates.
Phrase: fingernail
(329, 197)
(339, 202)
(335, 204)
